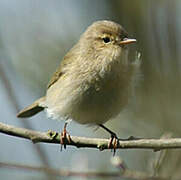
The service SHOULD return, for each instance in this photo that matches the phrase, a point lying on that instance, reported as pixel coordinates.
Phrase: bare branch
(84, 142)
(127, 174)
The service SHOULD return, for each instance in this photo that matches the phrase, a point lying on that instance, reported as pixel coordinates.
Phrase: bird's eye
(106, 39)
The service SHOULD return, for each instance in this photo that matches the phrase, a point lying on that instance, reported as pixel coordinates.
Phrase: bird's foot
(113, 143)
(65, 137)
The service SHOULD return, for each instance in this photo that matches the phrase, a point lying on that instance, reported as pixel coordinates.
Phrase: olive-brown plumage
(94, 81)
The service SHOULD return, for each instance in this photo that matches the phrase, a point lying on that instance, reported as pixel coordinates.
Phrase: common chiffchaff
(94, 80)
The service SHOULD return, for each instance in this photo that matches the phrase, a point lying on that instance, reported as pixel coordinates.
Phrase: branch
(101, 144)
(127, 173)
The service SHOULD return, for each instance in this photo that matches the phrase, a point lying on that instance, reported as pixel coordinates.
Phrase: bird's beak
(127, 41)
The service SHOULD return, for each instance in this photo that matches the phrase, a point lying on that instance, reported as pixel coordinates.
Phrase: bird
(94, 80)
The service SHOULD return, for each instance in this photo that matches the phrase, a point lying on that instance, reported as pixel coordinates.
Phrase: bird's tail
(33, 109)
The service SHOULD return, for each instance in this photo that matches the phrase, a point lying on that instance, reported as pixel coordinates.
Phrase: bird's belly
(101, 102)
(89, 102)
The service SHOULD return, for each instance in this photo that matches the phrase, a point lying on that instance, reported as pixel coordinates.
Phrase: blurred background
(35, 35)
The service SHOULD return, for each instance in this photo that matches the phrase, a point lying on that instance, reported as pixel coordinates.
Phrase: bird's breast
(104, 96)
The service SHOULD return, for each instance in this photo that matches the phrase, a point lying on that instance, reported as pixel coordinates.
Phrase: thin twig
(84, 142)
(127, 174)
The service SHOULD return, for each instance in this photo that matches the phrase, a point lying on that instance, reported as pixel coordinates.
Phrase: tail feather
(33, 109)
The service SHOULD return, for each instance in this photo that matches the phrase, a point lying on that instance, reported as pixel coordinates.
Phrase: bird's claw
(65, 137)
(113, 143)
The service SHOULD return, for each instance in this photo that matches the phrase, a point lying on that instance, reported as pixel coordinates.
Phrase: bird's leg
(114, 141)
(65, 136)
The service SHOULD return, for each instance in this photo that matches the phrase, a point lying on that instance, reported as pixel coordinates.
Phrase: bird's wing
(58, 73)
(66, 61)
